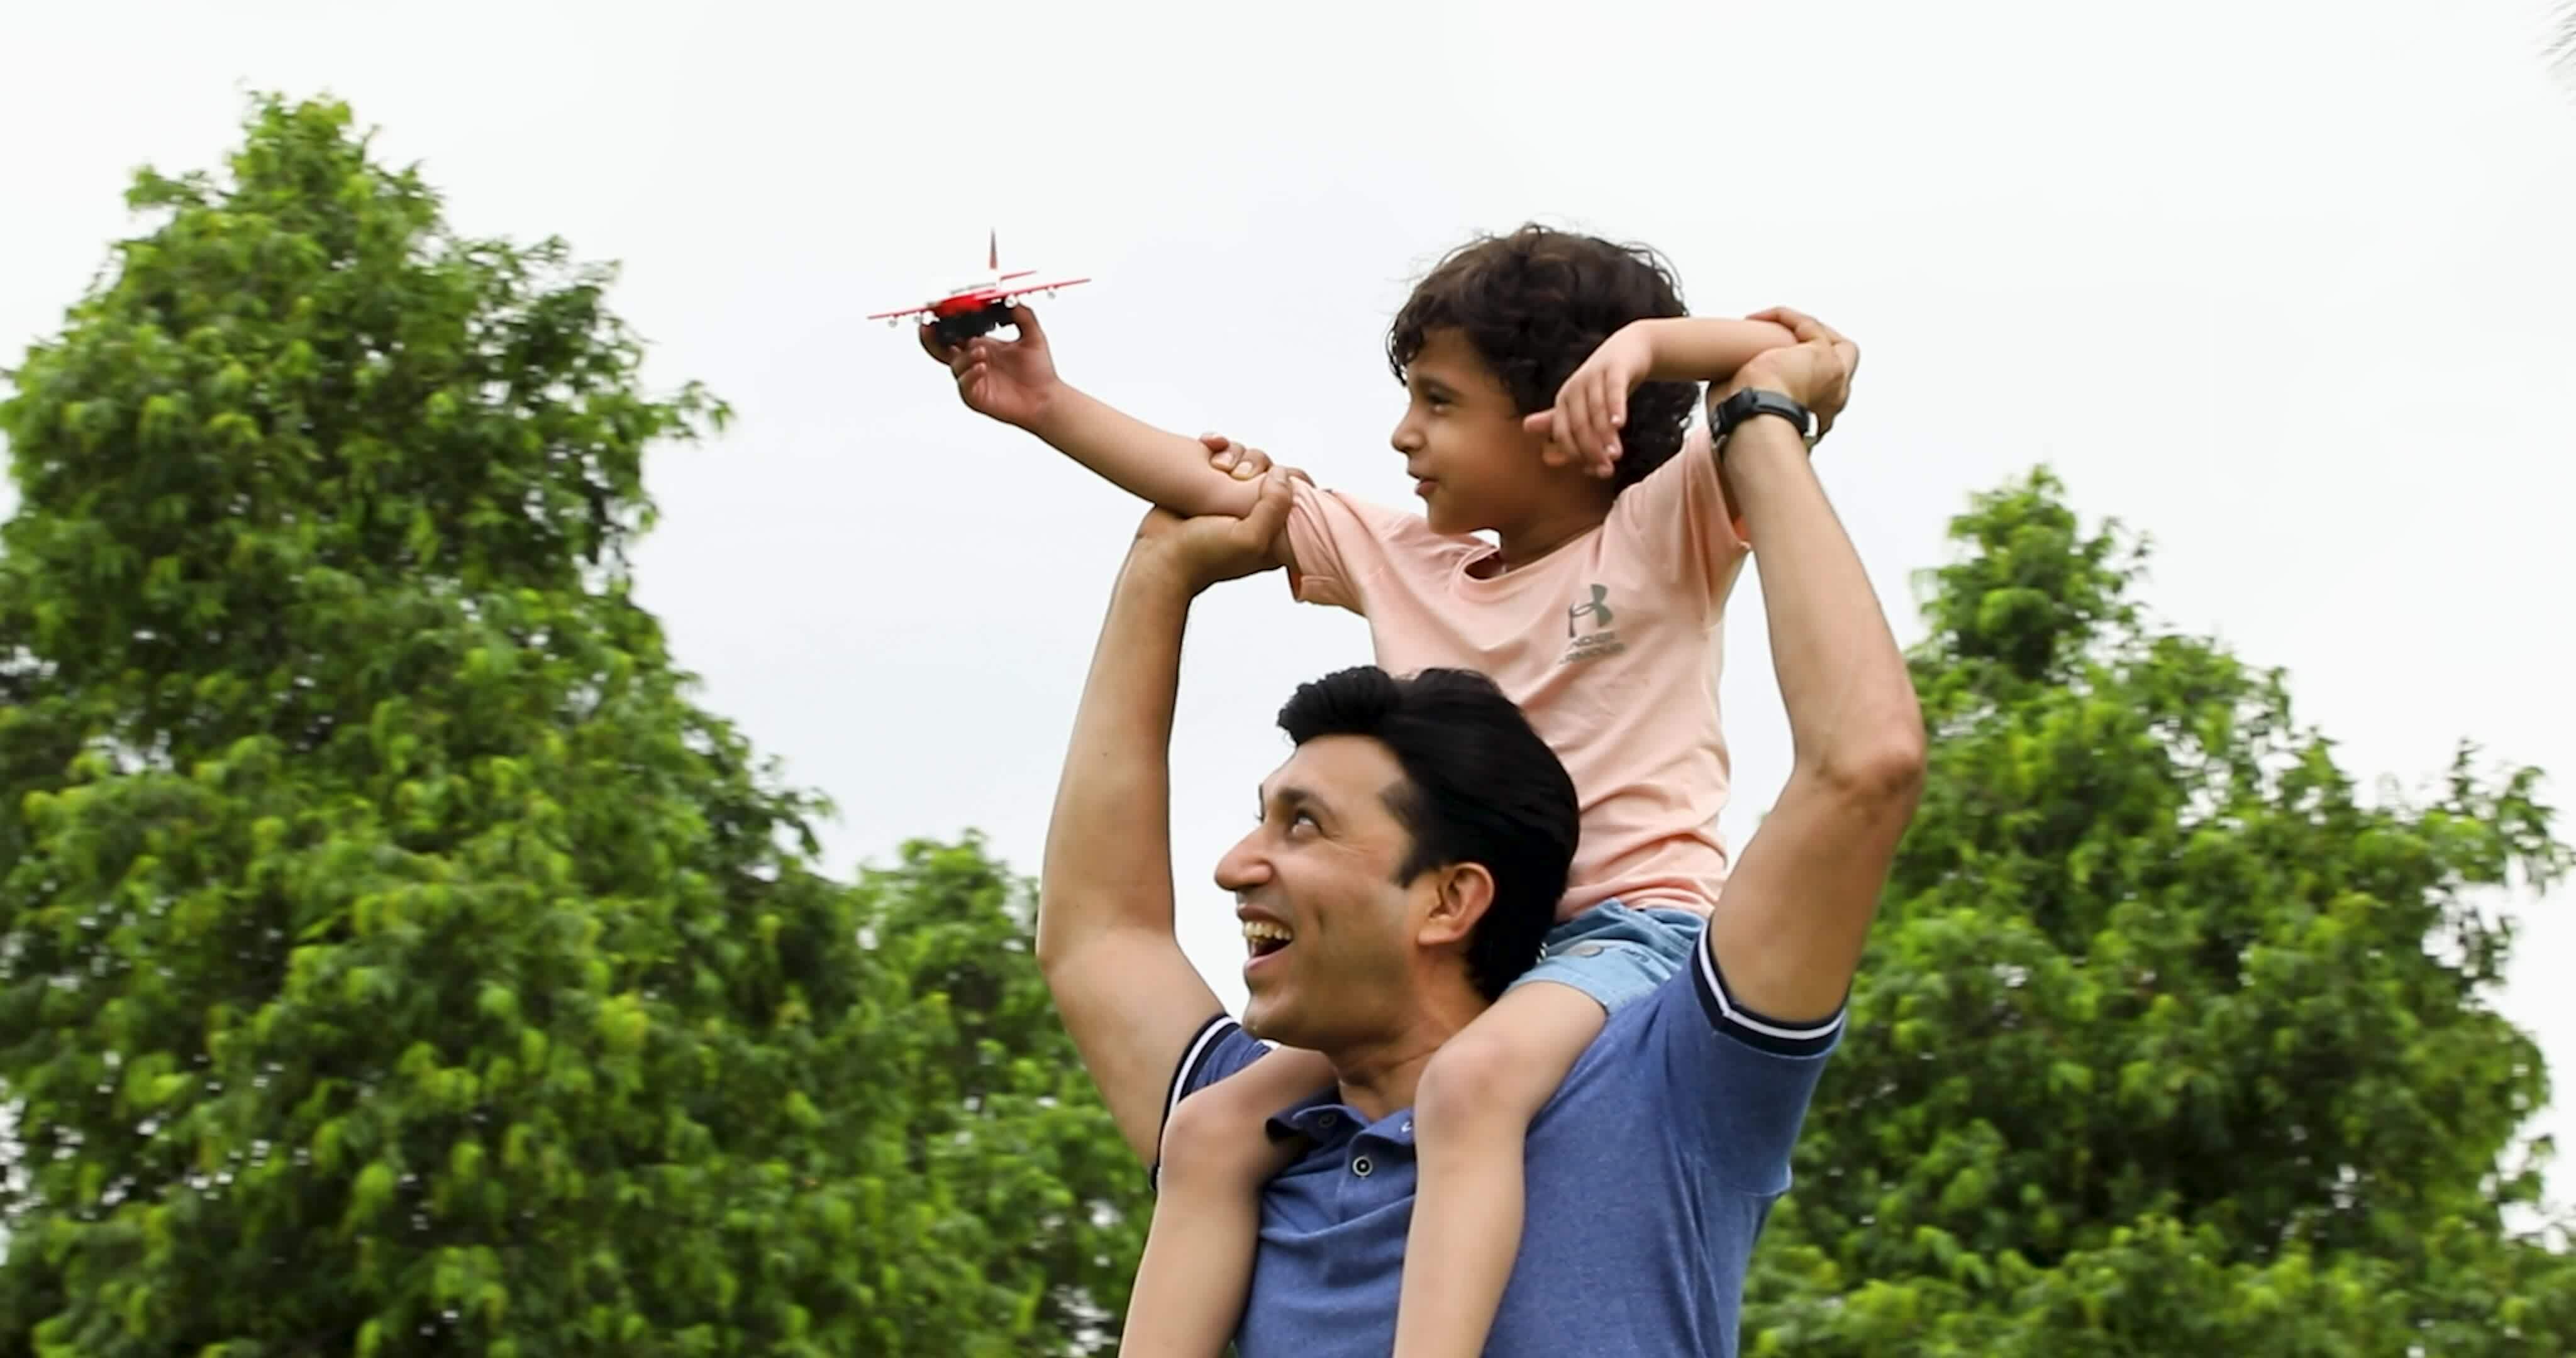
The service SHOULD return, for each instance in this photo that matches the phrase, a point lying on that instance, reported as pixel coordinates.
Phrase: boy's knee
(1214, 1139)
(1476, 1075)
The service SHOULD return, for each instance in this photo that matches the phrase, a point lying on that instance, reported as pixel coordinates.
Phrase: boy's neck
(1547, 529)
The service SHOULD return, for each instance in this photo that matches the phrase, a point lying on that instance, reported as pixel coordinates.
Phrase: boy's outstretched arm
(1015, 381)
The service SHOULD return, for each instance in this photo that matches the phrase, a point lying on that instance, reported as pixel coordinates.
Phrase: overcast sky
(2287, 286)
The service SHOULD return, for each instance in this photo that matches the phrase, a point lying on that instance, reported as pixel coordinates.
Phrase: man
(1401, 853)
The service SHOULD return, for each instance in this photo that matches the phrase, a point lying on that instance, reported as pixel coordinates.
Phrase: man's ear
(1461, 894)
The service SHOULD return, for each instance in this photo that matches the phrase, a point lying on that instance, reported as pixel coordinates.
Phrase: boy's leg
(1217, 1153)
(1471, 1117)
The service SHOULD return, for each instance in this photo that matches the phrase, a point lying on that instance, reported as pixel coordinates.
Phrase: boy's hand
(1009, 381)
(1239, 462)
(1583, 428)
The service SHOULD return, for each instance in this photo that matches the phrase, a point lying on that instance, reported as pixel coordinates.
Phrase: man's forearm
(1108, 847)
(1154, 465)
(1852, 710)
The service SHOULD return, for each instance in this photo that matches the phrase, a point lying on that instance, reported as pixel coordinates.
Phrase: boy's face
(1472, 463)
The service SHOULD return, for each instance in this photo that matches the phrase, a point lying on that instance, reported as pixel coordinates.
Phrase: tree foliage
(393, 959)
(2168, 1039)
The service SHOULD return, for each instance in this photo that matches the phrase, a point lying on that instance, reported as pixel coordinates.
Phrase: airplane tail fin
(993, 250)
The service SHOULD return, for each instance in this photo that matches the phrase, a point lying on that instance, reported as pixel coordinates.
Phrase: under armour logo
(1599, 609)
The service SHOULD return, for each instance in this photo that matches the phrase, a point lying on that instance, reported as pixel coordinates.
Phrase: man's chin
(1270, 1021)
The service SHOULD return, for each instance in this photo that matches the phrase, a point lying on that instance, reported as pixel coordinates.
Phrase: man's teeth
(1263, 931)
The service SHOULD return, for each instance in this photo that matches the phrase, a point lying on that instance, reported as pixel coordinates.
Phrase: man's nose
(1242, 868)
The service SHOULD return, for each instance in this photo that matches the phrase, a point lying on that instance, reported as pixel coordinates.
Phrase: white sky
(2287, 286)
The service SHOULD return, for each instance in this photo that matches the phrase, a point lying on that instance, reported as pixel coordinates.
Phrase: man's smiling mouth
(1262, 938)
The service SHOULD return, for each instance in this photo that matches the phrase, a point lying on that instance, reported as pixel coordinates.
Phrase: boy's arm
(1161, 468)
(1709, 348)
(1015, 381)
(1592, 406)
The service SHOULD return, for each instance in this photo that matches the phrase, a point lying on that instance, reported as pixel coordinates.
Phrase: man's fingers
(1796, 321)
(1025, 320)
(1261, 526)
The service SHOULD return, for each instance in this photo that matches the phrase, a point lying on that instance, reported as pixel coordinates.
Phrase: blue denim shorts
(1616, 953)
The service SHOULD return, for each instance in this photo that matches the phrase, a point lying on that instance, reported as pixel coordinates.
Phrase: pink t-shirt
(1610, 644)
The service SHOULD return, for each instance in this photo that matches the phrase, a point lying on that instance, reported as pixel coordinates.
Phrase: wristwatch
(1753, 401)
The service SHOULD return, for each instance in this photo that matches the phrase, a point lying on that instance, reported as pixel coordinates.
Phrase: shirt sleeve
(1340, 546)
(1738, 1083)
(1678, 514)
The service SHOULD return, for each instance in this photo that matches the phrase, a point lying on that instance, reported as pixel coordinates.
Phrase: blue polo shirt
(1649, 1175)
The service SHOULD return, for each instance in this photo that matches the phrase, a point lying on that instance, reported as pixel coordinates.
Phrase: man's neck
(1379, 1078)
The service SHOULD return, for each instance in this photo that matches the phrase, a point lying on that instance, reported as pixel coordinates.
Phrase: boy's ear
(1461, 894)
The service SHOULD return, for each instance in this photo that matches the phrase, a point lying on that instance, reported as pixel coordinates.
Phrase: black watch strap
(1753, 401)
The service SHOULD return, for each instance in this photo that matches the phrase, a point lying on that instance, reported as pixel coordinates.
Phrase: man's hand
(1199, 552)
(1816, 372)
(1010, 381)
(1592, 406)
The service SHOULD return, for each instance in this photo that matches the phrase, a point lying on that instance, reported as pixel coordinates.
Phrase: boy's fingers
(1026, 321)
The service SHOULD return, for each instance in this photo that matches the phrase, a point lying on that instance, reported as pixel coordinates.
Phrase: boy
(1550, 377)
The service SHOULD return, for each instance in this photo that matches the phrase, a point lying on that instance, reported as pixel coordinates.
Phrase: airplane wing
(1017, 289)
(907, 311)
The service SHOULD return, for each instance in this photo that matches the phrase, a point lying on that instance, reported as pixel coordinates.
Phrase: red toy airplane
(979, 306)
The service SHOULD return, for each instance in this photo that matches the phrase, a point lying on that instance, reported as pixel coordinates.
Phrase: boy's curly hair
(1534, 304)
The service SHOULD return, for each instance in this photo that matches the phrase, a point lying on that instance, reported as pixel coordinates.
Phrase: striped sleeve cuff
(1752, 1029)
(1185, 1077)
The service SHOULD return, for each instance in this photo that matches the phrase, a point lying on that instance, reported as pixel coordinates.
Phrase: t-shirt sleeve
(1338, 546)
(1738, 1083)
(1678, 515)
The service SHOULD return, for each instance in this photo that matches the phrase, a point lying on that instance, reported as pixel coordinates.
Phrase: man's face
(1473, 464)
(1329, 934)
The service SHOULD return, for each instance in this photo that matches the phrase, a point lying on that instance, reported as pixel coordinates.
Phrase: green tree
(1041, 1196)
(393, 959)
(2168, 1040)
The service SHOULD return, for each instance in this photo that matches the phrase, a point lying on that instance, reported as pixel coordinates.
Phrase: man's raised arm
(1799, 902)
(1130, 998)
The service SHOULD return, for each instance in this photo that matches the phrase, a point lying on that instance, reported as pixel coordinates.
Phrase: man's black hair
(1480, 786)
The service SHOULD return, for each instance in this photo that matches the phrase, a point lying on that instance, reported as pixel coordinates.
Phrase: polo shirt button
(1361, 1167)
